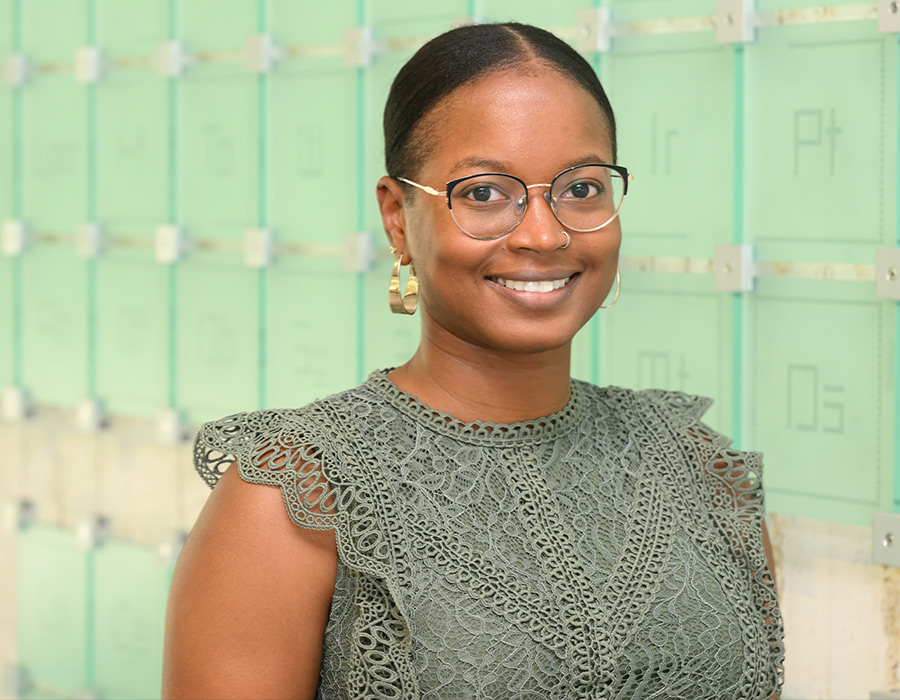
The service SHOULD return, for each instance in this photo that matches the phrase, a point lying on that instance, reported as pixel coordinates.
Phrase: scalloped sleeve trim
(268, 447)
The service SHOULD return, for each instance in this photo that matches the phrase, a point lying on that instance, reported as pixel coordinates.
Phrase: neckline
(542, 429)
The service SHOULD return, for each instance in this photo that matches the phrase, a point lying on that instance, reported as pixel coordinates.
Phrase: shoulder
(675, 407)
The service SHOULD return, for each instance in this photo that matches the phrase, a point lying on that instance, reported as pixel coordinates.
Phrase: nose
(539, 230)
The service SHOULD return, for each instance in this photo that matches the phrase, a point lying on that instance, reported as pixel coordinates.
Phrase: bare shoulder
(249, 599)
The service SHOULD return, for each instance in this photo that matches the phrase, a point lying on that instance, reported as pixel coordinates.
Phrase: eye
(582, 189)
(483, 192)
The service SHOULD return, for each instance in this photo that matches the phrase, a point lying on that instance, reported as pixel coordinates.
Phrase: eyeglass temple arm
(424, 188)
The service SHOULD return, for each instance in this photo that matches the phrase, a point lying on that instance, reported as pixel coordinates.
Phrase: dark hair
(464, 54)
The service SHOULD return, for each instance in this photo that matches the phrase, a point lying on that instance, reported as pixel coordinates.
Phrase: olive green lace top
(611, 550)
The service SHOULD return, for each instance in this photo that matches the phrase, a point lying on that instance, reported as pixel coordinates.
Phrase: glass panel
(53, 607)
(132, 152)
(8, 302)
(218, 156)
(819, 406)
(134, 28)
(132, 332)
(130, 593)
(676, 136)
(312, 331)
(53, 31)
(307, 23)
(313, 151)
(228, 30)
(217, 336)
(54, 152)
(54, 336)
(821, 142)
(671, 332)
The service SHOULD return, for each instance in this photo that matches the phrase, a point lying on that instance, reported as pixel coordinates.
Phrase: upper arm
(249, 600)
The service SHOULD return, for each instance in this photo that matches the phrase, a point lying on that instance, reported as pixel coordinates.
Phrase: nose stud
(568, 239)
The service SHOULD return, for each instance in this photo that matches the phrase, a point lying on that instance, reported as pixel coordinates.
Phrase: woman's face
(531, 124)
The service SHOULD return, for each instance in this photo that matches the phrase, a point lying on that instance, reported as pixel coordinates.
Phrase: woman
(475, 524)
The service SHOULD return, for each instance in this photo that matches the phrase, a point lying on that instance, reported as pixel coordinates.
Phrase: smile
(540, 286)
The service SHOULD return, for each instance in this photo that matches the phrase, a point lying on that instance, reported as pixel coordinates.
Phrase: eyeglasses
(490, 205)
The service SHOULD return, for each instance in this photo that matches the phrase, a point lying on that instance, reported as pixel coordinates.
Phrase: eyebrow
(503, 167)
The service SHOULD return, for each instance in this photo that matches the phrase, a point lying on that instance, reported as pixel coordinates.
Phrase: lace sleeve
(268, 447)
(733, 481)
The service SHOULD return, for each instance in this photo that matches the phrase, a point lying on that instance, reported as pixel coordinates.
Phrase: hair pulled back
(460, 56)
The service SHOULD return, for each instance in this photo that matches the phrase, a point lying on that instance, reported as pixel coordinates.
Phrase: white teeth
(541, 286)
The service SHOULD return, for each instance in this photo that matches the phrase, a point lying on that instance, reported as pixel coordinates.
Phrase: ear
(391, 202)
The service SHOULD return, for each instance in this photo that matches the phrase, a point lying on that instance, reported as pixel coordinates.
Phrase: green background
(788, 143)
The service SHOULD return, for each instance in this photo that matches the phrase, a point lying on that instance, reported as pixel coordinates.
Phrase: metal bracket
(16, 70)
(733, 267)
(172, 59)
(171, 426)
(89, 240)
(888, 16)
(887, 273)
(734, 22)
(261, 53)
(92, 531)
(359, 46)
(17, 515)
(88, 65)
(89, 416)
(170, 244)
(258, 247)
(593, 30)
(169, 549)
(358, 252)
(14, 238)
(886, 539)
(15, 404)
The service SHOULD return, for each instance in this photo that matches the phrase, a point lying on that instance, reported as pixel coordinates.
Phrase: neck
(475, 384)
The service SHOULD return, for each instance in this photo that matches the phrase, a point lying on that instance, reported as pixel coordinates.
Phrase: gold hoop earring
(407, 303)
(618, 288)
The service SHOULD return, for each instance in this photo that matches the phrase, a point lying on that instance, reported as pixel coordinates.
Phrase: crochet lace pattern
(610, 550)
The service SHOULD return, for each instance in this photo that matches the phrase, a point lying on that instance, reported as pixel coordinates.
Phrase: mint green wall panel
(313, 151)
(391, 338)
(671, 333)
(311, 338)
(52, 31)
(295, 22)
(400, 18)
(133, 28)
(676, 136)
(207, 25)
(821, 142)
(8, 29)
(629, 10)
(132, 333)
(560, 13)
(8, 302)
(820, 404)
(132, 153)
(584, 356)
(378, 81)
(217, 336)
(53, 607)
(218, 150)
(54, 153)
(54, 336)
(130, 589)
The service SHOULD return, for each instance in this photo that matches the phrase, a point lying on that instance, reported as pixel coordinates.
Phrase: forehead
(534, 122)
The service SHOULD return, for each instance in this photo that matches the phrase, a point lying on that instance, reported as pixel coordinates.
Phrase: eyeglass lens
(583, 199)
